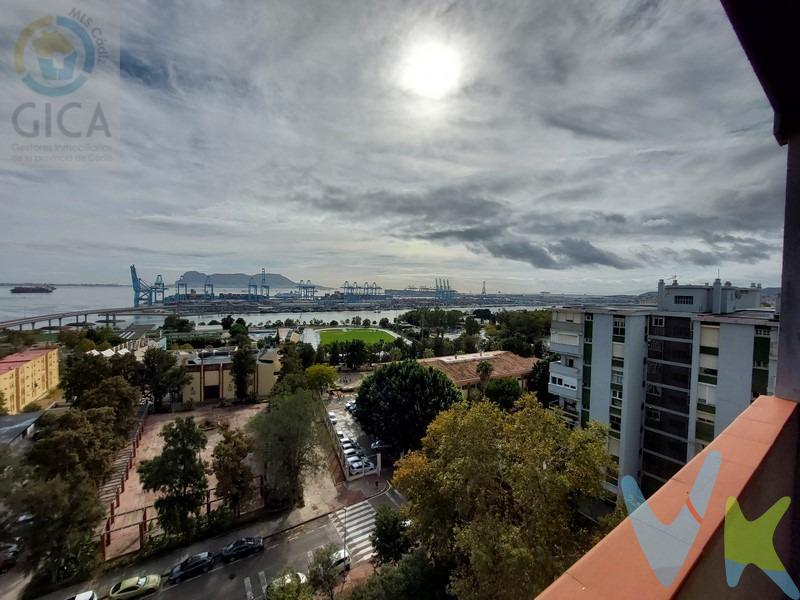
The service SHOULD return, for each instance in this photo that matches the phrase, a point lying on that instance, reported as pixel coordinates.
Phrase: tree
(414, 577)
(234, 477)
(540, 378)
(357, 354)
(520, 476)
(176, 323)
(307, 354)
(126, 365)
(384, 322)
(243, 365)
(59, 538)
(389, 538)
(322, 573)
(284, 440)
(504, 392)
(178, 474)
(161, 374)
(118, 395)
(69, 338)
(3, 408)
(227, 322)
(399, 400)
(484, 370)
(366, 323)
(471, 326)
(18, 339)
(428, 353)
(336, 353)
(82, 374)
(80, 440)
(321, 377)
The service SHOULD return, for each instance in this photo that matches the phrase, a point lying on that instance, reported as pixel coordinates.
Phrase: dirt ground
(134, 497)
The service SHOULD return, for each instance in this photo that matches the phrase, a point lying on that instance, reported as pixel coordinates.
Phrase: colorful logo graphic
(750, 542)
(54, 56)
(666, 545)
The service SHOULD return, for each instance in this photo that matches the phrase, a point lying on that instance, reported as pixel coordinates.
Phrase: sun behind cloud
(431, 69)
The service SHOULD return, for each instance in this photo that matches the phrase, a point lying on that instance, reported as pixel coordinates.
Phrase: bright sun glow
(431, 70)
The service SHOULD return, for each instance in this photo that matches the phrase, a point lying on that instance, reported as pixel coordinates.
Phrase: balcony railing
(758, 453)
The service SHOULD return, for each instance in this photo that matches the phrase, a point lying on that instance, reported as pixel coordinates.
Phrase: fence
(127, 532)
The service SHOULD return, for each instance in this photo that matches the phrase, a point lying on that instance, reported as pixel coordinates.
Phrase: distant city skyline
(553, 146)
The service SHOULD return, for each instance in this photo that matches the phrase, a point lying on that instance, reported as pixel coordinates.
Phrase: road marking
(360, 522)
(310, 555)
(248, 589)
(263, 579)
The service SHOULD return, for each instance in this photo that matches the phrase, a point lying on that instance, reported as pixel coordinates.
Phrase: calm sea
(62, 299)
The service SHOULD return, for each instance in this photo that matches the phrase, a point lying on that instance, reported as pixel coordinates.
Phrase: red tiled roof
(12, 361)
(462, 368)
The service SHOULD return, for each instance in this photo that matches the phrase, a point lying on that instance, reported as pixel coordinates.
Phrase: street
(245, 578)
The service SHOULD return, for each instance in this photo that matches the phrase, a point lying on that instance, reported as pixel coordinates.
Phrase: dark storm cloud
(583, 253)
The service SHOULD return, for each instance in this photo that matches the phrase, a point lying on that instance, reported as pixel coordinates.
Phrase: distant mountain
(196, 279)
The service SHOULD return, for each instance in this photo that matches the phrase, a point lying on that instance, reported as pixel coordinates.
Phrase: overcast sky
(568, 146)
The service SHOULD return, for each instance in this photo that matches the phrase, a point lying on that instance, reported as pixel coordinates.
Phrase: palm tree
(484, 370)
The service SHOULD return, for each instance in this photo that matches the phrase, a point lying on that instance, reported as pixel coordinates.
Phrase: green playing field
(370, 336)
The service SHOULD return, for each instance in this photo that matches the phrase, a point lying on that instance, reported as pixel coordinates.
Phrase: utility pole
(344, 541)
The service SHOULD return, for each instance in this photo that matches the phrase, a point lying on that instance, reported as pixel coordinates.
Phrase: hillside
(196, 279)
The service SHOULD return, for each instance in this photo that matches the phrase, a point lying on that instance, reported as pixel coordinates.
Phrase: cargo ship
(30, 288)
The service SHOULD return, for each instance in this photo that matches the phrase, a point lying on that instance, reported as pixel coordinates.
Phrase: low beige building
(212, 379)
(28, 376)
(462, 369)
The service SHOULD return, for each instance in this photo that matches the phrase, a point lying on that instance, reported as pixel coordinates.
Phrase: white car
(341, 561)
(353, 460)
(348, 452)
(84, 596)
(348, 444)
(332, 417)
(340, 434)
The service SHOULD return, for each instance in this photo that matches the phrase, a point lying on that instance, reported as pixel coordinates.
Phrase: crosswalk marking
(248, 589)
(360, 521)
(263, 579)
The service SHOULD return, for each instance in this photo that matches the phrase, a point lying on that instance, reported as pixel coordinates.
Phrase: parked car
(285, 580)
(84, 596)
(8, 556)
(332, 417)
(350, 406)
(353, 452)
(380, 445)
(135, 587)
(341, 561)
(340, 434)
(194, 565)
(242, 547)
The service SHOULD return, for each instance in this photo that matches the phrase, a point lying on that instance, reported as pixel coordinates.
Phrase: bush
(31, 407)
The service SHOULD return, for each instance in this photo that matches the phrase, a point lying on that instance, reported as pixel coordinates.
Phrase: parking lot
(347, 425)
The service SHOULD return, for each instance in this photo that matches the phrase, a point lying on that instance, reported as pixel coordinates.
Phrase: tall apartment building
(665, 378)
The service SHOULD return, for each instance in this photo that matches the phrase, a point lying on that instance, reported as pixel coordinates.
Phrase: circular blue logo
(54, 56)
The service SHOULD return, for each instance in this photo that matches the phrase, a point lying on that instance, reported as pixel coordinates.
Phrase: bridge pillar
(59, 322)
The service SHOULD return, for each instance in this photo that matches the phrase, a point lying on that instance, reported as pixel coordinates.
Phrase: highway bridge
(82, 316)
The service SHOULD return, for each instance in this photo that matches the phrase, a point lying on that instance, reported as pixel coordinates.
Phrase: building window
(619, 326)
(707, 376)
(616, 394)
(684, 300)
(658, 321)
(588, 316)
(569, 361)
(654, 415)
(762, 331)
(616, 377)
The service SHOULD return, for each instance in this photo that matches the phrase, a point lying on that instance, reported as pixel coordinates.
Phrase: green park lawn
(370, 336)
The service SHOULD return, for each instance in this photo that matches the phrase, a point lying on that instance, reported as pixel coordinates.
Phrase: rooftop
(12, 361)
(461, 368)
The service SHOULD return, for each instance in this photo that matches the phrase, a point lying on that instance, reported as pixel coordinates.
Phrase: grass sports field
(370, 336)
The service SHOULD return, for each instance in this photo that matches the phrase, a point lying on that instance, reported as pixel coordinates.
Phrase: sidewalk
(347, 494)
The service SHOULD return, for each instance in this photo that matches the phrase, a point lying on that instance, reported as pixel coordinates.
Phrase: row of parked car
(377, 445)
(203, 562)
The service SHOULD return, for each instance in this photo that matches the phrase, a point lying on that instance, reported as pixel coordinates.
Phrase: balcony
(562, 391)
(759, 459)
(559, 368)
(566, 326)
(559, 348)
